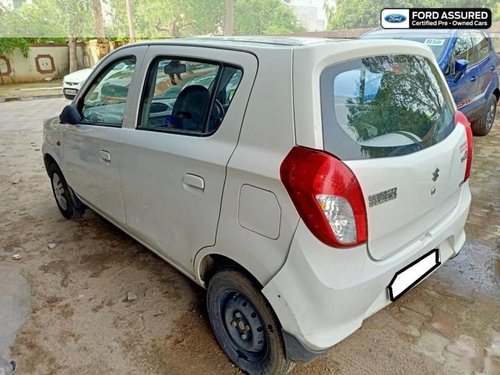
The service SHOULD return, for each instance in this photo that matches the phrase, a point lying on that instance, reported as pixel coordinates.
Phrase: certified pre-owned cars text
(450, 18)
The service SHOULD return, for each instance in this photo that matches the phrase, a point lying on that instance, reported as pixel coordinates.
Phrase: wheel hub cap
(490, 116)
(244, 325)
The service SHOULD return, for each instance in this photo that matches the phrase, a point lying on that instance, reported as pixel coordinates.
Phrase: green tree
(348, 14)
(177, 18)
(54, 19)
(167, 18)
(254, 17)
(8, 45)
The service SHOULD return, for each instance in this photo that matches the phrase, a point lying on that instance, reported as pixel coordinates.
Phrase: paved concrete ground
(28, 115)
(81, 323)
(26, 91)
(15, 299)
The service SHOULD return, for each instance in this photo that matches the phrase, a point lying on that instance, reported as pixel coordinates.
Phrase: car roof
(250, 43)
(262, 46)
(392, 33)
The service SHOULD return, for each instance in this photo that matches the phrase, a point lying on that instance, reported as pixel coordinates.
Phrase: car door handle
(105, 156)
(192, 181)
(473, 79)
(493, 67)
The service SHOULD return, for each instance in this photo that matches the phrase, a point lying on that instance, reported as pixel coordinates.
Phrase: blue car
(469, 63)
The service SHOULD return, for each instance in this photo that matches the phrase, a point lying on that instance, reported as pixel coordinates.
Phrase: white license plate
(71, 91)
(412, 274)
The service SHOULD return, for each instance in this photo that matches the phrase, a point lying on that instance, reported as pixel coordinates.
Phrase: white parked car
(73, 81)
(305, 183)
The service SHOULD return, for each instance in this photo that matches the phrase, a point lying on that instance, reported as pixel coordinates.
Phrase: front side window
(104, 103)
(383, 106)
(187, 96)
(481, 44)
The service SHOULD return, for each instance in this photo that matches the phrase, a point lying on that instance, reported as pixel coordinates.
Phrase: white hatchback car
(73, 82)
(305, 183)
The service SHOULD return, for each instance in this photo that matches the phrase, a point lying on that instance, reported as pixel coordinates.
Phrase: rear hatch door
(391, 120)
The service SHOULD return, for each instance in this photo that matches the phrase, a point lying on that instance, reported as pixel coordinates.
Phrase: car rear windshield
(383, 106)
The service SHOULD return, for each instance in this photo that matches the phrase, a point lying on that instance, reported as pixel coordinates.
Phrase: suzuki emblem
(435, 175)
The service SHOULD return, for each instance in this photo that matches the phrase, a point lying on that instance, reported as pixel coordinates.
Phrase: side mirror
(460, 67)
(70, 115)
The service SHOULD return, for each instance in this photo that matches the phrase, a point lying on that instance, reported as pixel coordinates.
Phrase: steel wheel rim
(243, 326)
(58, 188)
(490, 116)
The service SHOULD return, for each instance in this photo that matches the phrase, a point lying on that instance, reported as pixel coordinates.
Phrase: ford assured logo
(395, 18)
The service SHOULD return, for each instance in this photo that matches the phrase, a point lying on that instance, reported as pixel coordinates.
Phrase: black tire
(485, 123)
(245, 325)
(68, 203)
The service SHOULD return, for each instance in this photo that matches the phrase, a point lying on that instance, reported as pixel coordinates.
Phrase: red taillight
(327, 196)
(461, 119)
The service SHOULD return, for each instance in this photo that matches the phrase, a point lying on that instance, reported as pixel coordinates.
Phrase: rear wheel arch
(213, 263)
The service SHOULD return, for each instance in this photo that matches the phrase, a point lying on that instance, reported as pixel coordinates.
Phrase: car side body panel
(92, 152)
(173, 183)
(266, 138)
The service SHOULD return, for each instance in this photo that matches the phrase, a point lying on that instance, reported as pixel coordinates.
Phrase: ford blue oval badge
(395, 18)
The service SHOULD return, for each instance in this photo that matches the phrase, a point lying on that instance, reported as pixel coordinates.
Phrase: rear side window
(187, 96)
(383, 106)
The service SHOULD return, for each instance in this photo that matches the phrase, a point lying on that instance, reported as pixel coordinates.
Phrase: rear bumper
(321, 295)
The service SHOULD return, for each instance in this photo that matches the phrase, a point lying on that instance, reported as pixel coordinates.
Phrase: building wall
(46, 62)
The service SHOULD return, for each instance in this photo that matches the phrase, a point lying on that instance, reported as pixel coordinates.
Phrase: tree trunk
(73, 62)
(99, 28)
(99, 19)
(130, 19)
(229, 24)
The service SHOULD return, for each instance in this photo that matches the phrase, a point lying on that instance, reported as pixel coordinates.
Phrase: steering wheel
(219, 108)
(96, 118)
(216, 115)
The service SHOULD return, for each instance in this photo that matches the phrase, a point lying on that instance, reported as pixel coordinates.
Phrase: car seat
(190, 108)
